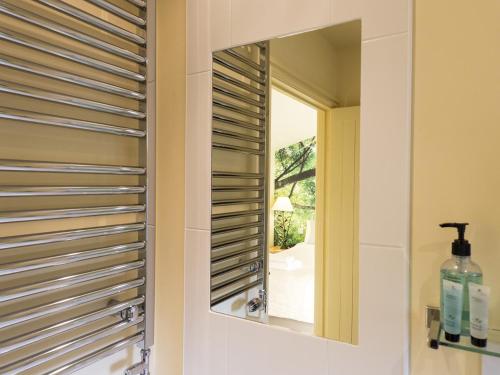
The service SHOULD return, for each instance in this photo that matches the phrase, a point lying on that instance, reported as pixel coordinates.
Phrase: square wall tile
(344, 359)
(273, 350)
(197, 270)
(198, 36)
(379, 18)
(490, 365)
(384, 308)
(383, 315)
(345, 11)
(385, 142)
(205, 333)
(205, 345)
(260, 19)
(220, 24)
(198, 151)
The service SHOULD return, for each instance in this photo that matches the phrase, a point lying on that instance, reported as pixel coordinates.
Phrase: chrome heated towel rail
(77, 182)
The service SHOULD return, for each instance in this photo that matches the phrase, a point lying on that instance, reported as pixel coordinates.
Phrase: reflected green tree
(295, 177)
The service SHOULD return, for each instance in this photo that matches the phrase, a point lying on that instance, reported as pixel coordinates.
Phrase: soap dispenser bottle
(460, 269)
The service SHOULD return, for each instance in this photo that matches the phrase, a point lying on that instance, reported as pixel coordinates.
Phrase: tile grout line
(192, 74)
(190, 229)
(380, 37)
(392, 247)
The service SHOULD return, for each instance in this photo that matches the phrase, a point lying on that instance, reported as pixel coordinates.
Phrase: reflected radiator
(240, 85)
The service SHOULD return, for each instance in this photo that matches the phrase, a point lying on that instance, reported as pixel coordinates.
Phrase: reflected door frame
(337, 225)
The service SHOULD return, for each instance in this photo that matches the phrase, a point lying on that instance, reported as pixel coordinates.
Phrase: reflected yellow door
(337, 202)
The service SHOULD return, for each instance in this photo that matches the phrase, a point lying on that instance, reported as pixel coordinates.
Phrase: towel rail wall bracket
(141, 368)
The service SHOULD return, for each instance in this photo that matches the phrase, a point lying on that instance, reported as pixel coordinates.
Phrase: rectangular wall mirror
(285, 181)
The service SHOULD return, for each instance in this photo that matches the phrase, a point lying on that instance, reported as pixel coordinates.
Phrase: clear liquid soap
(461, 269)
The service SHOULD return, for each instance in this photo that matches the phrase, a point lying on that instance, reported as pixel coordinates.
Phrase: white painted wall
(311, 59)
(349, 75)
(115, 364)
(326, 68)
(221, 345)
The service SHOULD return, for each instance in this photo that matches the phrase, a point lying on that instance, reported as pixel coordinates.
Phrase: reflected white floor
(291, 284)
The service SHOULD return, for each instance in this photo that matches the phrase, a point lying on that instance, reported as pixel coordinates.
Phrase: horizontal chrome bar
(244, 175)
(234, 108)
(237, 291)
(237, 214)
(139, 3)
(36, 359)
(43, 191)
(44, 71)
(70, 235)
(20, 341)
(80, 363)
(64, 259)
(51, 96)
(247, 274)
(238, 136)
(231, 254)
(245, 150)
(47, 24)
(226, 188)
(248, 262)
(234, 228)
(245, 60)
(37, 118)
(235, 95)
(29, 290)
(232, 121)
(231, 202)
(9, 165)
(235, 241)
(67, 213)
(235, 68)
(58, 306)
(235, 82)
(52, 49)
(106, 5)
(92, 20)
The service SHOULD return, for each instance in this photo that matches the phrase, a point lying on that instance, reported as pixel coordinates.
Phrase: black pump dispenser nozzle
(460, 246)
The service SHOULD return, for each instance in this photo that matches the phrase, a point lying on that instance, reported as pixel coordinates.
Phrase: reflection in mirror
(285, 176)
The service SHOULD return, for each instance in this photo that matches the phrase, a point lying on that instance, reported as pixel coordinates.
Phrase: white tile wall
(198, 146)
(382, 320)
(375, 15)
(491, 365)
(274, 350)
(198, 40)
(216, 344)
(115, 364)
(205, 333)
(383, 310)
(385, 141)
(257, 20)
(220, 24)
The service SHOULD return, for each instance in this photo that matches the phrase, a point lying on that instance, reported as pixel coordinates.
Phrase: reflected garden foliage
(295, 171)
